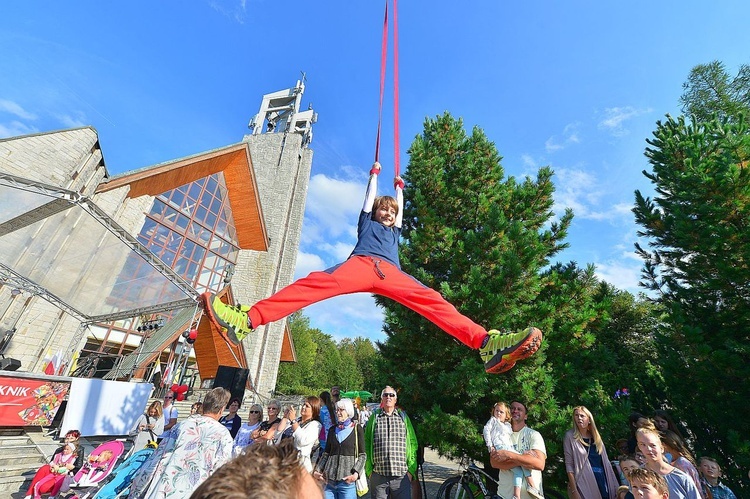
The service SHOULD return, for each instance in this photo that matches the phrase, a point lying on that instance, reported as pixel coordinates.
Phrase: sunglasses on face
(388, 395)
(168, 398)
(254, 412)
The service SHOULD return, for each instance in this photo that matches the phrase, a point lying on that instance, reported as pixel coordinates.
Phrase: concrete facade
(282, 167)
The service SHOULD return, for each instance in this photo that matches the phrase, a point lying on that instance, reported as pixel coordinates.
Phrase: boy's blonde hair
(648, 477)
(710, 460)
(388, 201)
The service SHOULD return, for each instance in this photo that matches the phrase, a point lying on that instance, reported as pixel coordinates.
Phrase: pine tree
(486, 243)
(711, 92)
(698, 265)
(481, 240)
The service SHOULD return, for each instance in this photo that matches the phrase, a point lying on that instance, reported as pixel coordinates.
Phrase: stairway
(20, 457)
(24, 450)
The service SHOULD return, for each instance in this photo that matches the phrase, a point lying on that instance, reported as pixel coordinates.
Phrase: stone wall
(282, 169)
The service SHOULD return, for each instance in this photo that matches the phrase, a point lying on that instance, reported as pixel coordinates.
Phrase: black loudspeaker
(9, 364)
(233, 379)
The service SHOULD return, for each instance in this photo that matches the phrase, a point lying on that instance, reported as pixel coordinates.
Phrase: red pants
(369, 275)
(45, 482)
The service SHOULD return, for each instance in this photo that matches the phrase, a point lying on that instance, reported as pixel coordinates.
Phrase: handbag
(361, 484)
(152, 444)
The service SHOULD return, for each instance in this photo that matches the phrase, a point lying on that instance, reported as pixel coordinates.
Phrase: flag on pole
(74, 362)
(156, 369)
(49, 366)
(169, 371)
(58, 360)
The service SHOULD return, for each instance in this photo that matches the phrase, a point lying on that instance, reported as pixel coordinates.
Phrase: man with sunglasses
(170, 414)
(391, 446)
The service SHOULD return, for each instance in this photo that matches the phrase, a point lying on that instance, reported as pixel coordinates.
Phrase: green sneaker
(504, 349)
(232, 321)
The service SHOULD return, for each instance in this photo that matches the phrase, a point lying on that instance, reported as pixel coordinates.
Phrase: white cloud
(622, 274)
(624, 209)
(528, 161)
(306, 263)
(571, 132)
(576, 189)
(15, 128)
(551, 146)
(339, 250)
(333, 205)
(582, 191)
(72, 121)
(569, 136)
(232, 9)
(348, 316)
(16, 110)
(615, 117)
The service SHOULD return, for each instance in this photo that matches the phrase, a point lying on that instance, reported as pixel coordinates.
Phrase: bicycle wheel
(453, 488)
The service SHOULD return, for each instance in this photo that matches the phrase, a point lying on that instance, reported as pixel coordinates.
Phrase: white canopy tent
(57, 244)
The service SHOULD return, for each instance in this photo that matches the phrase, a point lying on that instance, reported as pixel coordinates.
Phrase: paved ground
(436, 470)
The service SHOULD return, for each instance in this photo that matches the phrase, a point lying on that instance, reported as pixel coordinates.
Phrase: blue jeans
(340, 490)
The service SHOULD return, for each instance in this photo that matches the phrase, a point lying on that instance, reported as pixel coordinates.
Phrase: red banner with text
(30, 402)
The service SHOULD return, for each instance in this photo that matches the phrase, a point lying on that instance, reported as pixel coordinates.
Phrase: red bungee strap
(383, 64)
(396, 154)
(383, 60)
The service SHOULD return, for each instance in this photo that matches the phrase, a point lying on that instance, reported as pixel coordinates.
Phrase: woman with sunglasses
(343, 459)
(244, 435)
(267, 429)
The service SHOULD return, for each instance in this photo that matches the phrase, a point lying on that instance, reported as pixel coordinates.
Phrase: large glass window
(191, 229)
(192, 226)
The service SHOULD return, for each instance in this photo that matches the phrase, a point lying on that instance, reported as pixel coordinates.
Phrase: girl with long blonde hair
(590, 473)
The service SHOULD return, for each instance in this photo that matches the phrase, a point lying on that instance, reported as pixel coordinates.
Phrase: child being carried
(497, 434)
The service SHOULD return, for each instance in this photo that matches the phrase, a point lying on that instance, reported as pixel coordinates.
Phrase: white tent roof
(59, 245)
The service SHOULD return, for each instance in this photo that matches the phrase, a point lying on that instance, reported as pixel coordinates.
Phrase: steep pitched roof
(233, 160)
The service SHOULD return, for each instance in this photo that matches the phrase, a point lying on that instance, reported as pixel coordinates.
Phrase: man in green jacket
(391, 446)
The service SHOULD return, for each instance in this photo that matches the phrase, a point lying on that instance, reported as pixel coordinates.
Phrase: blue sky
(574, 85)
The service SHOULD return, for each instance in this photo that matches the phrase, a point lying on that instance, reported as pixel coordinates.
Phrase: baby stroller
(119, 483)
(97, 467)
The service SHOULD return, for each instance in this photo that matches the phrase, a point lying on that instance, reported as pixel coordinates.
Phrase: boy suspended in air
(373, 267)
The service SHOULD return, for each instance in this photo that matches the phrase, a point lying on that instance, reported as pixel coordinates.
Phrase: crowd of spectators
(655, 445)
(330, 447)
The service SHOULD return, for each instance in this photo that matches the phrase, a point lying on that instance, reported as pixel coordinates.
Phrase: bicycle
(471, 483)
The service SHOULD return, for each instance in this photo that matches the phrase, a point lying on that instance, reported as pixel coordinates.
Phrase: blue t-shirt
(681, 486)
(375, 239)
